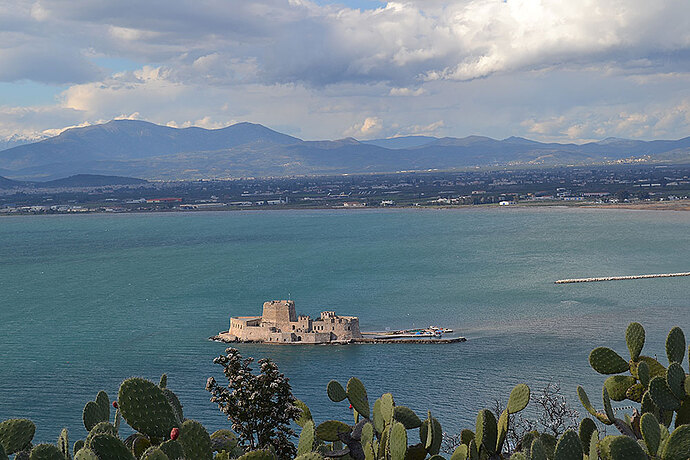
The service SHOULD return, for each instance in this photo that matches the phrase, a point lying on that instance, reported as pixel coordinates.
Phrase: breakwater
(617, 278)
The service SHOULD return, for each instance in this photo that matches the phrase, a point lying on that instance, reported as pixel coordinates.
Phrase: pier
(226, 338)
(617, 278)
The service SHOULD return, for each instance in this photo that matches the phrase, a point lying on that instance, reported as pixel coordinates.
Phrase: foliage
(260, 407)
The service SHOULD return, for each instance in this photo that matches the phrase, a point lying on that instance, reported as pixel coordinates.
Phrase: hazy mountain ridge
(76, 181)
(143, 149)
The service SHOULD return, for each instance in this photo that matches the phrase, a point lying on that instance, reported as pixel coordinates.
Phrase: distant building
(280, 323)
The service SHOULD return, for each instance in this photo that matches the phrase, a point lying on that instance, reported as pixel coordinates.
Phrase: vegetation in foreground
(261, 409)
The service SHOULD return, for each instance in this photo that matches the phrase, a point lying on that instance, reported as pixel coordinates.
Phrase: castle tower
(279, 312)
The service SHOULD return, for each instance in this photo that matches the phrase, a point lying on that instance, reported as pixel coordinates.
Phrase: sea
(89, 300)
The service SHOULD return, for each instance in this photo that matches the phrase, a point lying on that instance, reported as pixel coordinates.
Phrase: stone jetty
(617, 278)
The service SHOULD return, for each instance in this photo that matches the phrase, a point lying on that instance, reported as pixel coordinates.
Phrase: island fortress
(279, 323)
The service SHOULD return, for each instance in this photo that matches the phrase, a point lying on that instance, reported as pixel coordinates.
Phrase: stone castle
(279, 323)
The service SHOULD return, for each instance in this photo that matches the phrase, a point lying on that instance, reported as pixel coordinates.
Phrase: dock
(618, 278)
(227, 338)
(415, 341)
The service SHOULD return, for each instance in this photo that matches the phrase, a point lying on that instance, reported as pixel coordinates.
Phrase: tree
(260, 407)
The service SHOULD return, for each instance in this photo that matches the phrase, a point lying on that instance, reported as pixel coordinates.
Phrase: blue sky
(561, 70)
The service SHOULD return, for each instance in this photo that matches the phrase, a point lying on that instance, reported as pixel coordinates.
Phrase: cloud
(371, 126)
(273, 41)
(551, 70)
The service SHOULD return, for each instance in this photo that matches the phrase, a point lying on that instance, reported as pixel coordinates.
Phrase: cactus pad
(330, 429)
(502, 427)
(519, 398)
(623, 447)
(568, 447)
(398, 441)
(335, 391)
(466, 436)
(587, 427)
(163, 383)
(108, 447)
(172, 449)
(260, 454)
(675, 345)
(634, 338)
(643, 373)
(387, 404)
(77, 445)
(651, 433)
(154, 453)
(606, 361)
(145, 407)
(305, 415)
(310, 456)
(46, 452)
(431, 435)
(407, 417)
(538, 451)
(655, 367)
(85, 454)
(306, 438)
(195, 440)
(140, 444)
(460, 453)
(92, 415)
(661, 394)
(63, 444)
(357, 395)
(225, 440)
(104, 403)
(379, 422)
(175, 403)
(617, 386)
(16, 434)
(675, 379)
(678, 444)
(635, 392)
(608, 410)
(486, 430)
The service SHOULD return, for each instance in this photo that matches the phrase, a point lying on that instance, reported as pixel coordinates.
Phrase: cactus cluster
(153, 410)
(384, 430)
(489, 435)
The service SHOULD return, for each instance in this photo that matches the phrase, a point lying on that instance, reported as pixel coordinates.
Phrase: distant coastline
(678, 205)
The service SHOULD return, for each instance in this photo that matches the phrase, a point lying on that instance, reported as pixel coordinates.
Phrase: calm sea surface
(86, 301)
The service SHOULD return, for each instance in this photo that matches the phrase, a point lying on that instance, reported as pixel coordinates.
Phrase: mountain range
(76, 181)
(142, 149)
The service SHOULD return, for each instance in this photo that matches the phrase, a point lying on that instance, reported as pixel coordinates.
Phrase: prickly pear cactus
(195, 440)
(260, 454)
(145, 407)
(154, 453)
(108, 447)
(306, 439)
(173, 449)
(85, 454)
(46, 452)
(16, 434)
(63, 444)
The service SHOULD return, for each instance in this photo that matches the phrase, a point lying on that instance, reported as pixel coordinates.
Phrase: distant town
(617, 184)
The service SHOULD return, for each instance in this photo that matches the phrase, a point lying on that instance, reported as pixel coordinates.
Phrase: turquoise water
(86, 301)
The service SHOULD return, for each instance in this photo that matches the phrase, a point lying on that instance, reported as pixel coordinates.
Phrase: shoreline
(676, 205)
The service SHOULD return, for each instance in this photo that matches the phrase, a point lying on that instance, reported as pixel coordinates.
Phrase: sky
(549, 70)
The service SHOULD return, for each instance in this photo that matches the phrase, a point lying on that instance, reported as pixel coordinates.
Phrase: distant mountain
(141, 149)
(6, 183)
(402, 142)
(90, 180)
(77, 181)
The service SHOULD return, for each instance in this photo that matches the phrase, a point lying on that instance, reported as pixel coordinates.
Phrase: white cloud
(551, 70)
